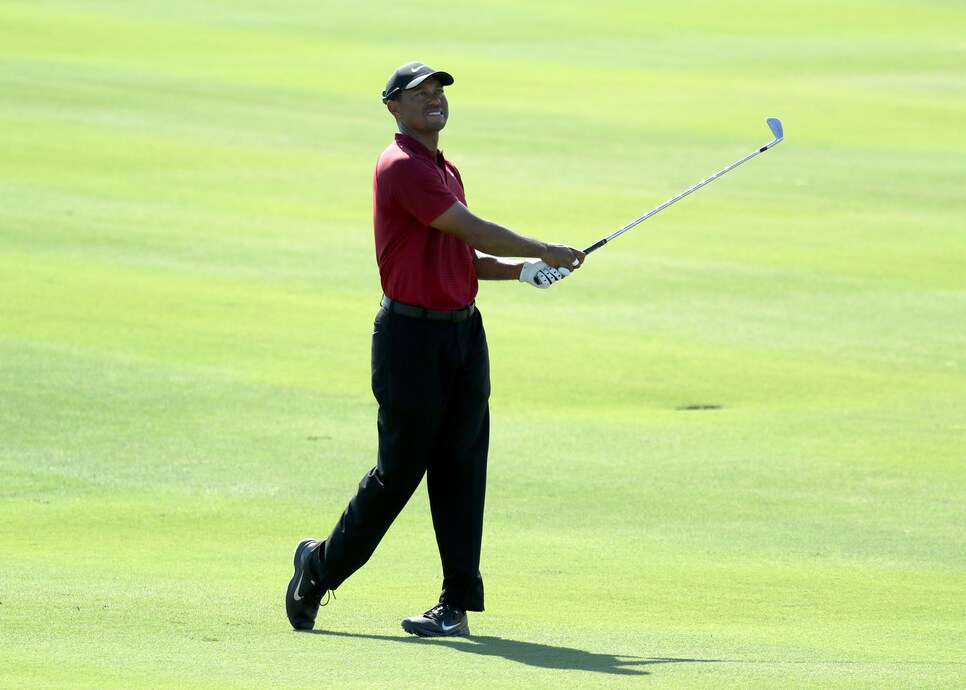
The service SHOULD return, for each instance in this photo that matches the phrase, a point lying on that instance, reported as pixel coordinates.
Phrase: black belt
(455, 315)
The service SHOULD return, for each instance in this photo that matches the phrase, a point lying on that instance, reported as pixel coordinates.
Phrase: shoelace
(329, 596)
(437, 611)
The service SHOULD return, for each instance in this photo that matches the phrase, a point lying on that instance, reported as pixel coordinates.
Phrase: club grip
(595, 246)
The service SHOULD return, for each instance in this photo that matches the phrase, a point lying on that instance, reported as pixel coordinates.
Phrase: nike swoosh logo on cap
(415, 69)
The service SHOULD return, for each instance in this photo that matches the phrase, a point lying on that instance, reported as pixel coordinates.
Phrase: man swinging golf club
(430, 363)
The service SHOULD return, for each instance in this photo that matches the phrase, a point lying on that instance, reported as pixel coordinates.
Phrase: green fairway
(728, 452)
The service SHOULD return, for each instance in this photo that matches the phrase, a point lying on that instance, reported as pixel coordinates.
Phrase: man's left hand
(540, 275)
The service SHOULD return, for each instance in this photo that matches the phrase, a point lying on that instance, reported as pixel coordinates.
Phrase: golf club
(776, 129)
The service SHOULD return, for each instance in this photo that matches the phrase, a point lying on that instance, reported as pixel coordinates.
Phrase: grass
(187, 286)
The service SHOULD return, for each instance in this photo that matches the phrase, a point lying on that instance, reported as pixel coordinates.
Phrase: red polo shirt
(418, 264)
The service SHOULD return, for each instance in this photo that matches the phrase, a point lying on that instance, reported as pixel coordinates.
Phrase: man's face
(421, 110)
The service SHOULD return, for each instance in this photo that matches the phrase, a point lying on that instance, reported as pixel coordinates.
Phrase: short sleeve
(420, 188)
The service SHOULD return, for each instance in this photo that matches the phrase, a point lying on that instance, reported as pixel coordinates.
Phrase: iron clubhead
(776, 128)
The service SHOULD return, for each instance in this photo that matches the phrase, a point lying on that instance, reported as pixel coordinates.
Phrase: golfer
(430, 364)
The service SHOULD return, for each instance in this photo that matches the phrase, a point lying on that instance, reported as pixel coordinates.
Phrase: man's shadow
(533, 654)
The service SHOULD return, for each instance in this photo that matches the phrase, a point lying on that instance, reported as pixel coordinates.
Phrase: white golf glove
(540, 275)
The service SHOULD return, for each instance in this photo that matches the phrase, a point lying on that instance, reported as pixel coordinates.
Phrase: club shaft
(636, 221)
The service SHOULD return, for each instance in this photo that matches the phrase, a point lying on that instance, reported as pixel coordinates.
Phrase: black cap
(411, 75)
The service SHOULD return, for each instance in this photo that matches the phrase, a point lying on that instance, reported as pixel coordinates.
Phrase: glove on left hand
(540, 275)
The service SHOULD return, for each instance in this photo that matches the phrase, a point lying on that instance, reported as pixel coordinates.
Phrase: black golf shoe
(442, 620)
(304, 593)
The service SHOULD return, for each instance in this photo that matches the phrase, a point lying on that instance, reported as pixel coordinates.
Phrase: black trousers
(432, 382)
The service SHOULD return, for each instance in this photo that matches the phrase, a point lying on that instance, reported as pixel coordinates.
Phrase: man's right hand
(562, 255)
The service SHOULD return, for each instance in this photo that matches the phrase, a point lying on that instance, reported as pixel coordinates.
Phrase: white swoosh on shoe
(447, 628)
(298, 586)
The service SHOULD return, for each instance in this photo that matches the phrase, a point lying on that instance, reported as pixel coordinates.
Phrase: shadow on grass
(533, 654)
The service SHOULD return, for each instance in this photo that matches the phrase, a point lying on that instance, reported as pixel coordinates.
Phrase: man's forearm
(493, 268)
(496, 240)
(490, 238)
(486, 236)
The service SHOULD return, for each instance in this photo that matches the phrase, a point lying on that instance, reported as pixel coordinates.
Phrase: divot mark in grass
(692, 408)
